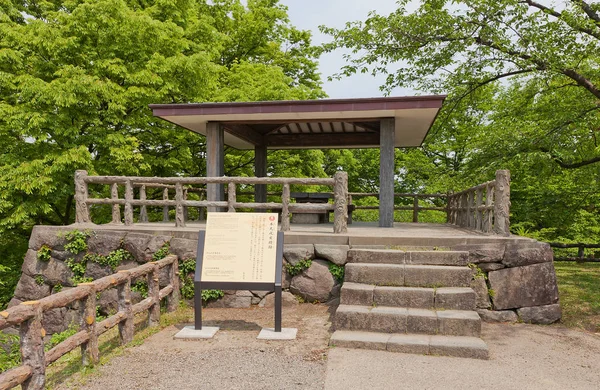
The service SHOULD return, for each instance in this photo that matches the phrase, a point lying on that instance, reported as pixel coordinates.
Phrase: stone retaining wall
(515, 279)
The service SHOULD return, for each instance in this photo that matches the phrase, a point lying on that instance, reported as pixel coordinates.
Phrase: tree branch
(559, 15)
(565, 165)
(588, 10)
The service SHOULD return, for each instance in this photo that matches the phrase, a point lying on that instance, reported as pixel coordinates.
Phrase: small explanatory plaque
(240, 247)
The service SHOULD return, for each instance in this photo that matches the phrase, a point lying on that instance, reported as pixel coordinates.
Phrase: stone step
(449, 298)
(408, 275)
(389, 319)
(390, 256)
(457, 346)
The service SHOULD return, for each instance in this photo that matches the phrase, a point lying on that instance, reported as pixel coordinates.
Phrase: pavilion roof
(309, 124)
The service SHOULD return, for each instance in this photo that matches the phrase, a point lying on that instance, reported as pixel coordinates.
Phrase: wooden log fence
(415, 207)
(31, 374)
(484, 208)
(339, 183)
(580, 258)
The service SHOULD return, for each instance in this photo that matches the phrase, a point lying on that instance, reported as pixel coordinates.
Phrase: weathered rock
(53, 271)
(520, 254)
(286, 278)
(531, 285)
(497, 315)
(483, 253)
(28, 290)
(231, 301)
(184, 249)
(104, 242)
(259, 294)
(61, 255)
(337, 254)
(54, 320)
(96, 271)
(108, 302)
(126, 265)
(143, 246)
(482, 295)
(44, 235)
(488, 267)
(287, 300)
(298, 252)
(14, 302)
(544, 315)
(255, 300)
(314, 284)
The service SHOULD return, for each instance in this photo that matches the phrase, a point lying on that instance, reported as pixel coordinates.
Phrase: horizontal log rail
(28, 316)
(339, 184)
(484, 207)
(580, 258)
(416, 207)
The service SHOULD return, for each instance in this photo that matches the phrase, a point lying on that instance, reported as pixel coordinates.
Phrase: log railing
(28, 316)
(339, 183)
(484, 208)
(415, 207)
(581, 247)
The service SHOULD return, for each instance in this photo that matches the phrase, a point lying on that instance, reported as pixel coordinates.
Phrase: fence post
(128, 205)
(126, 327)
(415, 209)
(502, 203)
(87, 311)
(173, 298)
(489, 214)
(143, 211)
(340, 202)
(231, 197)
(469, 209)
(82, 211)
(179, 218)
(32, 348)
(448, 208)
(154, 293)
(478, 211)
(185, 208)
(116, 209)
(166, 208)
(285, 210)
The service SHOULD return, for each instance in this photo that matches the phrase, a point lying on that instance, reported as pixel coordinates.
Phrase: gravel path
(521, 357)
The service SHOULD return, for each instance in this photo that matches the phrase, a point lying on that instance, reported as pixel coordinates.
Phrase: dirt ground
(521, 357)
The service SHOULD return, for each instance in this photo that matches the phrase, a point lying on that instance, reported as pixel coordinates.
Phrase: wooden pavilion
(384, 123)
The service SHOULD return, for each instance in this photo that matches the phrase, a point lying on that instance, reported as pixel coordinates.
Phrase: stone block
(380, 274)
(488, 267)
(497, 315)
(293, 253)
(421, 321)
(53, 320)
(409, 343)
(350, 317)
(287, 300)
(482, 293)
(97, 271)
(306, 218)
(143, 246)
(543, 315)
(388, 319)
(357, 294)
(29, 290)
(519, 254)
(45, 235)
(104, 242)
(459, 323)
(183, 248)
(483, 253)
(356, 339)
(337, 254)
(108, 304)
(53, 271)
(231, 301)
(415, 297)
(465, 347)
(437, 258)
(531, 285)
(455, 298)
(314, 284)
(379, 256)
(436, 276)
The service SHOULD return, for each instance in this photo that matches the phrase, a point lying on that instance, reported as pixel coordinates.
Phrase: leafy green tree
(76, 78)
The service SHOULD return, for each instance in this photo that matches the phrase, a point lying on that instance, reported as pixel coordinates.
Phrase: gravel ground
(521, 357)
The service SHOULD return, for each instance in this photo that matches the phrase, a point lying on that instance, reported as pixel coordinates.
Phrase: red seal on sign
(271, 218)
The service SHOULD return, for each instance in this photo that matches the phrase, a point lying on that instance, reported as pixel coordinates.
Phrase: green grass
(579, 291)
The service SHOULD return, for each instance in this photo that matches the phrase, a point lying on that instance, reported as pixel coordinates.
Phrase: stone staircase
(413, 302)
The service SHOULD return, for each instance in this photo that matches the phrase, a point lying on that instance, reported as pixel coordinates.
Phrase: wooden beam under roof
(246, 133)
(326, 140)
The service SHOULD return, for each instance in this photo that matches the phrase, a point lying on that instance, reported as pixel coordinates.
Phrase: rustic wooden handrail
(28, 315)
(415, 208)
(83, 201)
(484, 207)
(580, 258)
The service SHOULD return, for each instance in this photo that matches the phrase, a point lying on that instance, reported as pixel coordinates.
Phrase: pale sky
(309, 14)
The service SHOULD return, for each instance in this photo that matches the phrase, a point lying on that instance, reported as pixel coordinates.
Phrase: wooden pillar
(260, 170)
(32, 348)
(214, 161)
(82, 211)
(387, 167)
(340, 199)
